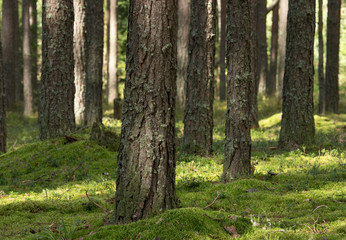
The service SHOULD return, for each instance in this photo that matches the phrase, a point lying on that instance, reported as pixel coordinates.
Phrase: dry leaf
(232, 231)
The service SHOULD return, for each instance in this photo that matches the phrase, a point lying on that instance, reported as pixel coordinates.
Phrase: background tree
(262, 65)
(2, 108)
(198, 119)
(34, 43)
(282, 44)
(321, 80)
(297, 126)
(146, 156)
(222, 32)
(239, 89)
(332, 65)
(56, 112)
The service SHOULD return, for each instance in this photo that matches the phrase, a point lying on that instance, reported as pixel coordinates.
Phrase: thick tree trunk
(113, 91)
(297, 126)
(271, 77)
(2, 108)
(240, 80)
(146, 158)
(33, 44)
(183, 44)
(282, 44)
(321, 81)
(262, 44)
(332, 65)
(27, 66)
(10, 47)
(223, 51)
(56, 115)
(198, 120)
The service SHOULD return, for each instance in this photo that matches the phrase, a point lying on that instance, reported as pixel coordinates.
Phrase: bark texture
(56, 112)
(183, 45)
(239, 89)
(2, 108)
(223, 50)
(332, 65)
(282, 44)
(321, 79)
(146, 158)
(297, 126)
(198, 119)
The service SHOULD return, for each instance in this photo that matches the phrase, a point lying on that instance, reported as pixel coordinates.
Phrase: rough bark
(332, 64)
(198, 119)
(183, 44)
(2, 108)
(146, 158)
(113, 91)
(271, 77)
(27, 66)
(237, 162)
(321, 81)
(282, 44)
(33, 44)
(223, 51)
(10, 48)
(56, 112)
(262, 44)
(297, 126)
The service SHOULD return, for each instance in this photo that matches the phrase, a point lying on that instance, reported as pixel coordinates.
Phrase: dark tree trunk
(146, 158)
(56, 112)
(271, 77)
(10, 47)
(27, 66)
(332, 65)
(321, 81)
(33, 44)
(113, 91)
(183, 44)
(198, 120)
(223, 51)
(240, 80)
(2, 108)
(262, 44)
(282, 44)
(297, 126)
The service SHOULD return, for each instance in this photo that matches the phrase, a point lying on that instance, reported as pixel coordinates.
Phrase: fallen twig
(73, 171)
(97, 205)
(319, 207)
(218, 195)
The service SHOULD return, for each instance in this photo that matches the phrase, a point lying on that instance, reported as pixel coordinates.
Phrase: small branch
(320, 207)
(105, 210)
(217, 197)
(272, 5)
(74, 170)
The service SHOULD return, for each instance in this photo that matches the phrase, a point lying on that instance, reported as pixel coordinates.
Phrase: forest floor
(47, 189)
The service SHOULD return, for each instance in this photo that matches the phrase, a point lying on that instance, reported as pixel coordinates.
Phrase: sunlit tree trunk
(282, 44)
(262, 44)
(321, 79)
(33, 44)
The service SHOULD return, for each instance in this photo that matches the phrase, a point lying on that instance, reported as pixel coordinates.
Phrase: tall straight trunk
(33, 43)
(107, 36)
(183, 44)
(282, 44)
(56, 112)
(27, 66)
(297, 126)
(2, 107)
(223, 51)
(262, 44)
(271, 77)
(237, 163)
(113, 91)
(321, 81)
(10, 50)
(146, 158)
(198, 120)
(332, 65)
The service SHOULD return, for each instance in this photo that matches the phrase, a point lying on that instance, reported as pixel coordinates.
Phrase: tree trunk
(282, 44)
(27, 66)
(321, 81)
(10, 47)
(262, 44)
(223, 51)
(146, 158)
(271, 78)
(183, 44)
(198, 120)
(240, 80)
(107, 36)
(113, 91)
(56, 112)
(332, 65)
(297, 126)
(33, 44)
(2, 108)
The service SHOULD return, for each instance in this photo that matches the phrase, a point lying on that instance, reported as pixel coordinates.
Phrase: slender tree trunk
(10, 47)
(2, 108)
(332, 65)
(27, 66)
(297, 126)
(321, 81)
(113, 91)
(198, 120)
(262, 44)
(282, 44)
(240, 80)
(56, 112)
(107, 36)
(271, 78)
(223, 51)
(33, 44)
(183, 44)
(146, 158)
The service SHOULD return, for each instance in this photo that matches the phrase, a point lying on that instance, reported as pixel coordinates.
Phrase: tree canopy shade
(146, 156)
(297, 126)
